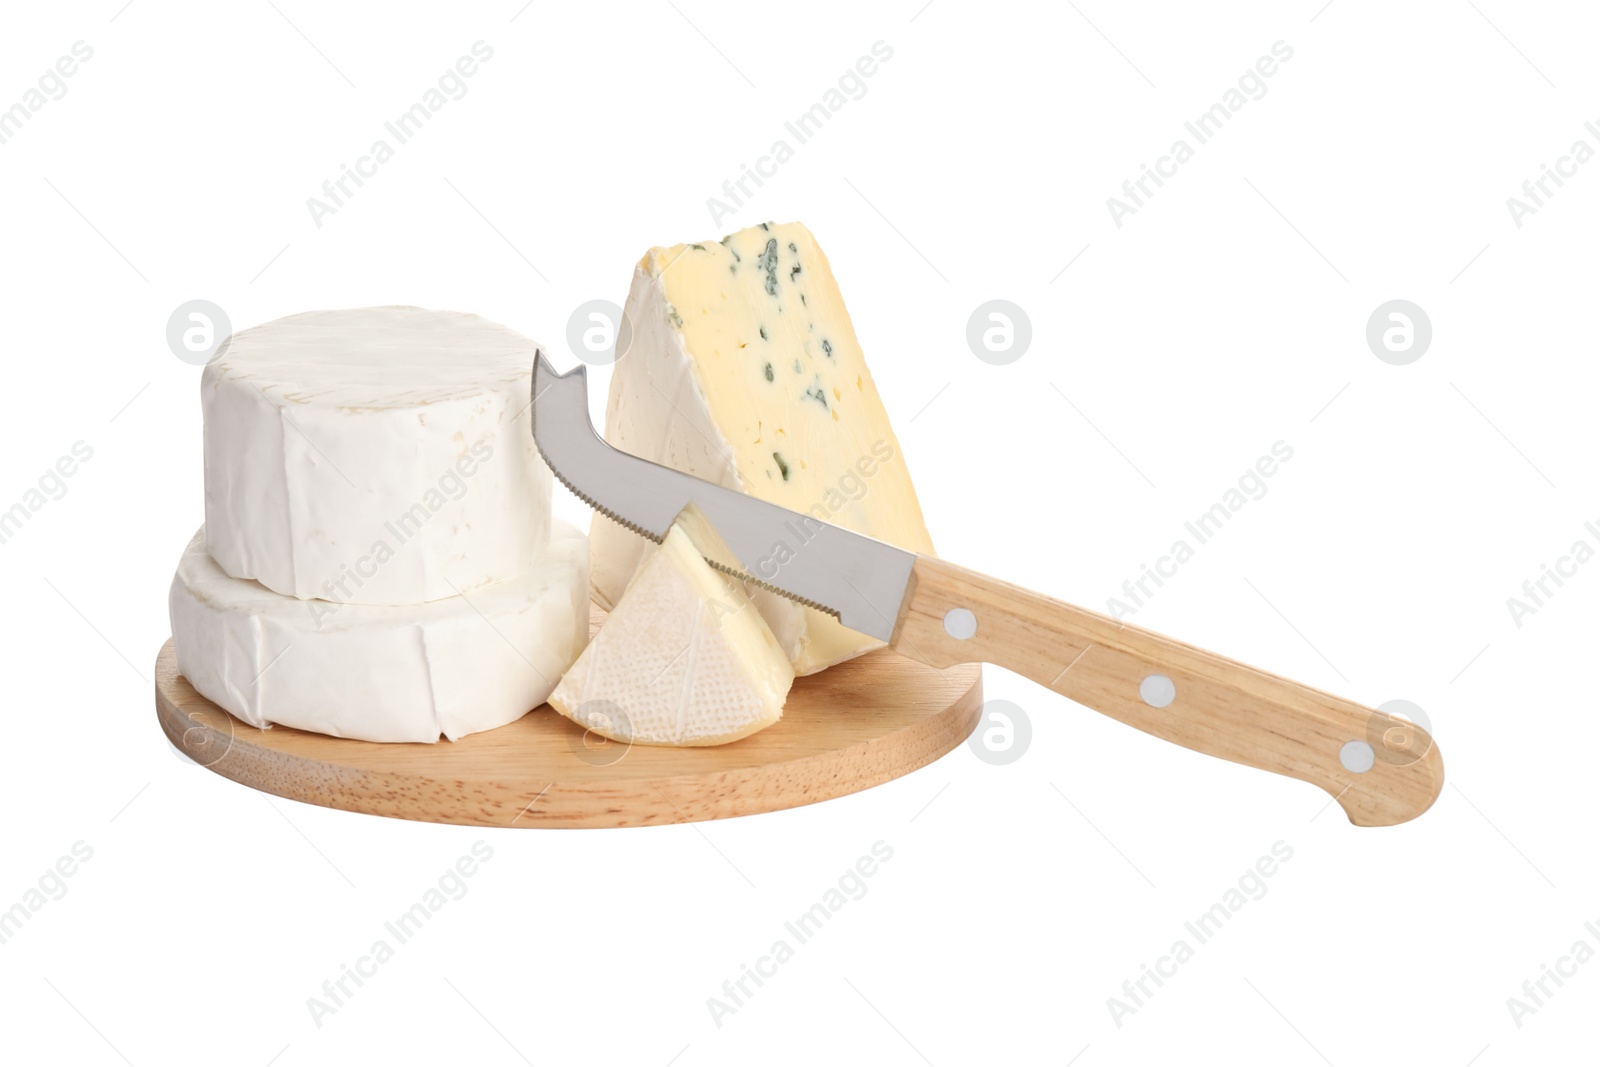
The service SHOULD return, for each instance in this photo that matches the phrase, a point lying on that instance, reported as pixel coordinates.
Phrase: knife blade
(859, 579)
(1381, 769)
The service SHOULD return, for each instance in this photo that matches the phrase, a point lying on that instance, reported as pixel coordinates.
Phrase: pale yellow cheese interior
(786, 381)
(782, 376)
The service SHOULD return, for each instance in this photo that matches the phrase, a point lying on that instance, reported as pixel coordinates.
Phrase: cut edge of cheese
(683, 659)
(385, 673)
(744, 370)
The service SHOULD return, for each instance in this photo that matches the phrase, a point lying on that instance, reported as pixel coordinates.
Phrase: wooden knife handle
(1382, 770)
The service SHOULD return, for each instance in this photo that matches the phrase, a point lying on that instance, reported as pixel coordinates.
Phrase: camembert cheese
(683, 659)
(379, 672)
(374, 456)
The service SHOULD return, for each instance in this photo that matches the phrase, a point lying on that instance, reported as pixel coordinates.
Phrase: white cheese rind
(683, 659)
(744, 369)
(450, 667)
(374, 456)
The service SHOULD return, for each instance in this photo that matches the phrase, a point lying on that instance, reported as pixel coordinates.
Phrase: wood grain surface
(851, 727)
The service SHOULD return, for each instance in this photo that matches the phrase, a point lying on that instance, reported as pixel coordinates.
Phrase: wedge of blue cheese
(744, 369)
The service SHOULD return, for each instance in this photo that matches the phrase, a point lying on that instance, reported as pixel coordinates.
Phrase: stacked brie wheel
(379, 560)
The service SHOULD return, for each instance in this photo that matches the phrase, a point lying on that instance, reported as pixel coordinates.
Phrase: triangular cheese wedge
(683, 659)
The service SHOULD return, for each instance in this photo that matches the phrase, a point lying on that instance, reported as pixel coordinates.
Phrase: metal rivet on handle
(1357, 757)
(1157, 690)
(960, 623)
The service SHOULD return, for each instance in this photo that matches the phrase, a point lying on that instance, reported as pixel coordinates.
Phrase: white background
(1227, 314)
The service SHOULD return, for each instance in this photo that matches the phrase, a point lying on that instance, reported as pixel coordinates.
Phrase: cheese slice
(374, 456)
(744, 370)
(683, 659)
(382, 673)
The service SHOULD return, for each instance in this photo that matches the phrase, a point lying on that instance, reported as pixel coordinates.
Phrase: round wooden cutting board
(855, 725)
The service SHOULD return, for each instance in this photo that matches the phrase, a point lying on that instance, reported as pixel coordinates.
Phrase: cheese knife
(1381, 769)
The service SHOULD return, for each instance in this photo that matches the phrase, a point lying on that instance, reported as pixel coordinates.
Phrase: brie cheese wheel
(744, 370)
(683, 659)
(374, 456)
(376, 672)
